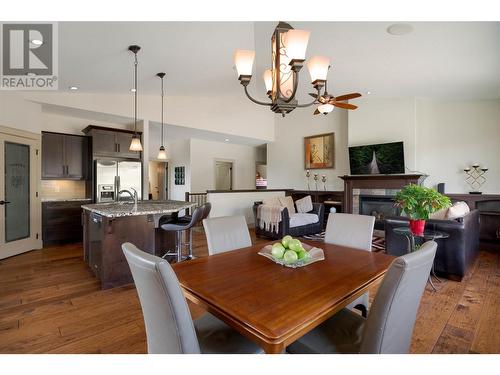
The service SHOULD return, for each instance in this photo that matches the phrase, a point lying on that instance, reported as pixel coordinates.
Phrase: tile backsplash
(62, 189)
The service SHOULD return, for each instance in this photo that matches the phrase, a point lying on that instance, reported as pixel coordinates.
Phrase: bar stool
(178, 227)
(207, 208)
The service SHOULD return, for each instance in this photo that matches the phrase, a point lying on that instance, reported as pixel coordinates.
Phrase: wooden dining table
(274, 305)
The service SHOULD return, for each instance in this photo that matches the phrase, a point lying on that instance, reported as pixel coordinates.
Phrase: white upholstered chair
(169, 326)
(354, 231)
(226, 233)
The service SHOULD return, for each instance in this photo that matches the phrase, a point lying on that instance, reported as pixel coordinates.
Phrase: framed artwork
(319, 151)
(179, 175)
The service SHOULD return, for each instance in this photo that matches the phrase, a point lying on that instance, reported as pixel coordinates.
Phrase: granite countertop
(121, 209)
(66, 199)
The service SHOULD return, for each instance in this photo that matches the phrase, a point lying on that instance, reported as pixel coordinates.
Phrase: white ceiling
(439, 59)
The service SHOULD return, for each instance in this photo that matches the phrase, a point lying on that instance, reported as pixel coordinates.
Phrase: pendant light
(135, 145)
(162, 155)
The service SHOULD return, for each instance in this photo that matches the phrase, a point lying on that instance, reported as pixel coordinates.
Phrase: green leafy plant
(419, 202)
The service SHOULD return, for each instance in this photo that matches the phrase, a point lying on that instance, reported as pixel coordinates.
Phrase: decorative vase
(417, 227)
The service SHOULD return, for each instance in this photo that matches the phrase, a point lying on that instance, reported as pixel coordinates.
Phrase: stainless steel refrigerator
(111, 176)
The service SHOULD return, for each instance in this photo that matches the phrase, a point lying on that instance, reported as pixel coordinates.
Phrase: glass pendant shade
(295, 42)
(325, 108)
(162, 154)
(243, 60)
(135, 145)
(318, 67)
(268, 80)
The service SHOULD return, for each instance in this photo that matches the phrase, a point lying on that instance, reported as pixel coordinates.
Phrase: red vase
(417, 227)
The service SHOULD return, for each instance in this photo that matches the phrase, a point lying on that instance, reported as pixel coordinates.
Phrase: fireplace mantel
(376, 181)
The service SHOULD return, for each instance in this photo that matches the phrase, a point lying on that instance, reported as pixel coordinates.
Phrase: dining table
(274, 305)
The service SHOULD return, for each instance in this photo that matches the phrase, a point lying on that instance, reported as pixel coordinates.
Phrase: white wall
(384, 120)
(285, 156)
(440, 137)
(230, 115)
(455, 134)
(233, 204)
(17, 113)
(205, 153)
(178, 155)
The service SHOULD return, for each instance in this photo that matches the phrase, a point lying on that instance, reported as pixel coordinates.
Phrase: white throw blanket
(269, 217)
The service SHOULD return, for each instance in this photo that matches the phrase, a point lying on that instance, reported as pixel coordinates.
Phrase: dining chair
(352, 231)
(169, 326)
(389, 326)
(226, 233)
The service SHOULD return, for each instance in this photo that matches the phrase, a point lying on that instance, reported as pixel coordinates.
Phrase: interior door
(223, 175)
(19, 205)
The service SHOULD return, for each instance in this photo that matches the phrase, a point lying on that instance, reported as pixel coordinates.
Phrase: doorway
(223, 175)
(20, 221)
(158, 180)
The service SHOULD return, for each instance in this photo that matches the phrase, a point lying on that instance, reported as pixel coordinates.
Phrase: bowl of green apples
(290, 252)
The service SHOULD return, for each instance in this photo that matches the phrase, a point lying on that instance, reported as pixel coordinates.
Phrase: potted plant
(419, 202)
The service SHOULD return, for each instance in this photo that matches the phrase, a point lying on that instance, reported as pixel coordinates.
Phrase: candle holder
(323, 179)
(316, 177)
(475, 177)
(308, 175)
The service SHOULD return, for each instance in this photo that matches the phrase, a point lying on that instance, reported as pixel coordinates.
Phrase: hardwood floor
(50, 302)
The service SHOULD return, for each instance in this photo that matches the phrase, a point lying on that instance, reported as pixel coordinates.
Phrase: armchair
(285, 228)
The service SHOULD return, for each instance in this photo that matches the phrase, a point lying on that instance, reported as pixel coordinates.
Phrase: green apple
(278, 250)
(290, 256)
(285, 241)
(295, 245)
(302, 254)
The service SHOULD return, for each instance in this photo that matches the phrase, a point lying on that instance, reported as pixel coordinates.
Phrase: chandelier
(288, 56)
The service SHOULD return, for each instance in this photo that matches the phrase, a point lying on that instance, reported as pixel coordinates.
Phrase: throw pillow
(440, 214)
(458, 210)
(304, 205)
(288, 203)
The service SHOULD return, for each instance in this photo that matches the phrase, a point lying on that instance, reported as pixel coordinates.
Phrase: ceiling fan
(329, 101)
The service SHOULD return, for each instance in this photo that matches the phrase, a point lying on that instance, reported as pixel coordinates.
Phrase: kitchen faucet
(134, 196)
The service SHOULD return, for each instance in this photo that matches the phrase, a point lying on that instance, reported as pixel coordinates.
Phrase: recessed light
(368, 92)
(400, 29)
(226, 140)
(36, 42)
(133, 90)
(73, 88)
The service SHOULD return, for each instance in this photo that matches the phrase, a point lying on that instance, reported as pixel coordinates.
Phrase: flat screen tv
(383, 158)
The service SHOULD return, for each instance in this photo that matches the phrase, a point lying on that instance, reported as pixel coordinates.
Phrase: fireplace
(380, 185)
(380, 206)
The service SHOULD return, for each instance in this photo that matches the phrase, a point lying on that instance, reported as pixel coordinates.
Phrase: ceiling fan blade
(348, 96)
(344, 105)
(316, 112)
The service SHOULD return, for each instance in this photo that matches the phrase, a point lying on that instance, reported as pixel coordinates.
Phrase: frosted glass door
(17, 191)
(20, 211)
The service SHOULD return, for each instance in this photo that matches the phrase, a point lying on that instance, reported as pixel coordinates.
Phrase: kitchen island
(106, 226)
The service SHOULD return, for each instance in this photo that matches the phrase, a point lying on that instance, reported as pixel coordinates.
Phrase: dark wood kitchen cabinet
(111, 142)
(62, 221)
(64, 156)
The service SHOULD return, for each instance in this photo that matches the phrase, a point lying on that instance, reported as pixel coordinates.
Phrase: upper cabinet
(64, 156)
(111, 142)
